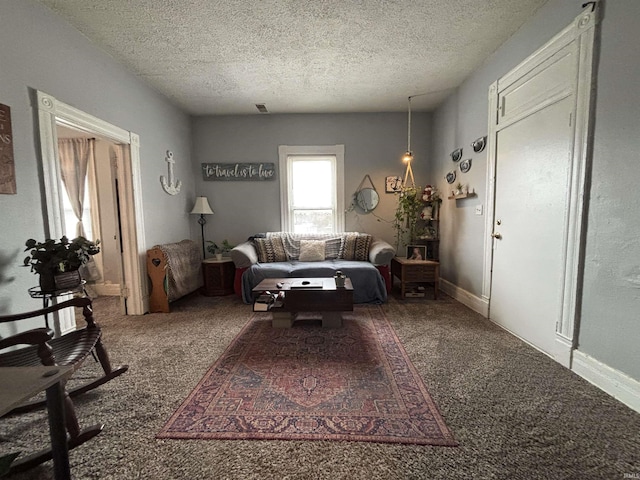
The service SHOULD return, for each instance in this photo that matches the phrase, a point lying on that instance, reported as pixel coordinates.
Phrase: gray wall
(609, 327)
(42, 52)
(609, 330)
(374, 144)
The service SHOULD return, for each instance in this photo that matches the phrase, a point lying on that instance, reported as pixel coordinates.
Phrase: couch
(360, 256)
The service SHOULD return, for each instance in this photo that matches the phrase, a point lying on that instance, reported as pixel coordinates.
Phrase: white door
(532, 177)
(538, 147)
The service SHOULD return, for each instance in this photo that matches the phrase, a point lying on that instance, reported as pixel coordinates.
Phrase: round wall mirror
(367, 199)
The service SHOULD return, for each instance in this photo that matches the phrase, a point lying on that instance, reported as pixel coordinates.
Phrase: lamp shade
(202, 207)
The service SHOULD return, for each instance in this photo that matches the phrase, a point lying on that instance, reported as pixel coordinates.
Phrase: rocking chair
(70, 349)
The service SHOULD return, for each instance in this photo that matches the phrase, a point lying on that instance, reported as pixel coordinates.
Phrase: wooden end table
(218, 276)
(330, 300)
(416, 271)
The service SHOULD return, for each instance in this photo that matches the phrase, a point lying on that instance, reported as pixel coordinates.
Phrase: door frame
(582, 32)
(52, 112)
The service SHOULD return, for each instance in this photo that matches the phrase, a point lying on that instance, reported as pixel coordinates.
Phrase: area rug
(352, 383)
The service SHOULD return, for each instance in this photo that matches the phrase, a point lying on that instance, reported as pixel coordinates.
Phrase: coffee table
(328, 299)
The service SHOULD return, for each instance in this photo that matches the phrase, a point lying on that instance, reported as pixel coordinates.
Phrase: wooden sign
(238, 171)
(7, 165)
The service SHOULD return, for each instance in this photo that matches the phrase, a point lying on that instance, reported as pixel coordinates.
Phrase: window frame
(336, 151)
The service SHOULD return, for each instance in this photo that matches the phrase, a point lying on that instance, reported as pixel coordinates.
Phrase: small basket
(67, 280)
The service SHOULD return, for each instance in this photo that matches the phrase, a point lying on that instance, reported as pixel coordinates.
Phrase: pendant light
(408, 156)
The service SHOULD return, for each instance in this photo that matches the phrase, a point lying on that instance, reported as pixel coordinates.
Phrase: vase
(67, 280)
(47, 282)
(218, 256)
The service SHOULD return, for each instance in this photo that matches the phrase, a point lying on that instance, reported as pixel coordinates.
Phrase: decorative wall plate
(465, 165)
(456, 154)
(479, 144)
(451, 176)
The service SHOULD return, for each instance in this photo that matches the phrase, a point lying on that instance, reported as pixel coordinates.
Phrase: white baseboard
(106, 289)
(617, 384)
(475, 303)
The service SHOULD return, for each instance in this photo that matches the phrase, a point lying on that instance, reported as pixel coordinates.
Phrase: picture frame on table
(416, 252)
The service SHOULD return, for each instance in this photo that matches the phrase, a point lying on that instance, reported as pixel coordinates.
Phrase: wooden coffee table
(327, 299)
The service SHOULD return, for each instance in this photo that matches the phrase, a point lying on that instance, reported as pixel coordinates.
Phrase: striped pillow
(270, 250)
(355, 246)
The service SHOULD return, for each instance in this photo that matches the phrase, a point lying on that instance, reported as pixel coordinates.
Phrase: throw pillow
(311, 250)
(332, 248)
(356, 246)
(270, 250)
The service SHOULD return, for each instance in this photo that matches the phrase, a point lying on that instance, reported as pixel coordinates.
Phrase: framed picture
(392, 184)
(416, 252)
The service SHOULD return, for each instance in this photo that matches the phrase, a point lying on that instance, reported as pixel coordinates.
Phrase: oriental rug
(352, 383)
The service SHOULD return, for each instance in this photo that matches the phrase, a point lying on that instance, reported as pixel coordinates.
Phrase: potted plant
(405, 221)
(57, 262)
(219, 251)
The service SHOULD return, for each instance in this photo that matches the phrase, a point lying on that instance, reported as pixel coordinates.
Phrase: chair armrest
(244, 255)
(380, 252)
(37, 336)
(74, 302)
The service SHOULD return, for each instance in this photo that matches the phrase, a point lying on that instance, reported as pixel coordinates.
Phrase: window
(311, 189)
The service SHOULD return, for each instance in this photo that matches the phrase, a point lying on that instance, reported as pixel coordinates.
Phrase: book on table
(267, 300)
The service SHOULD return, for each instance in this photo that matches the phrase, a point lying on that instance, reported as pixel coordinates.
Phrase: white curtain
(74, 157)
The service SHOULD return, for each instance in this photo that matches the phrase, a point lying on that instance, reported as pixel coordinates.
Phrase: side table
(416, 271)
(218, 276)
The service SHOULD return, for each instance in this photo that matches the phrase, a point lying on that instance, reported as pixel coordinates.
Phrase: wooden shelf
(462, 195)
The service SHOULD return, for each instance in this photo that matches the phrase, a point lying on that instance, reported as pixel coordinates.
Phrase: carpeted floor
(515, 413)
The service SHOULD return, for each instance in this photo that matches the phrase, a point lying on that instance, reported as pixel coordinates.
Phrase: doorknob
(497, 236)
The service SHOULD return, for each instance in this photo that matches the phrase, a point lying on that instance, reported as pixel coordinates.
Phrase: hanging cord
(409, 127)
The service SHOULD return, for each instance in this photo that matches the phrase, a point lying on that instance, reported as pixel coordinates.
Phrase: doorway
(100, 218)
(538, 131)
(52, 114)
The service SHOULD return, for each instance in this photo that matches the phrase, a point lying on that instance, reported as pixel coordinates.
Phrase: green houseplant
(218, 251)
(410, 222)
(405, 221)
(55, 257)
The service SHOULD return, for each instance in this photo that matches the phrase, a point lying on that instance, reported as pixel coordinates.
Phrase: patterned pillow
(355, 246)
(311, 250)
(270, 250)
(332, 248)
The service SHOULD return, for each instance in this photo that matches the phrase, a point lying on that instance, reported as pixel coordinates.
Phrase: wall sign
(238, 171)
(7, 165)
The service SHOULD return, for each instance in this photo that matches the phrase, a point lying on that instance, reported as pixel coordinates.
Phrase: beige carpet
(515, 413)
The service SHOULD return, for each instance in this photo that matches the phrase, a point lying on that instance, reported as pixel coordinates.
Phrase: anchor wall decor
(171, 186)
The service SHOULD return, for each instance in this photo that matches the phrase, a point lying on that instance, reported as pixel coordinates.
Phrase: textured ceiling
(223, 57)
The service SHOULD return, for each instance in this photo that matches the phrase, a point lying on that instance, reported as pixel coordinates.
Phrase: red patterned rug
(309, 383)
